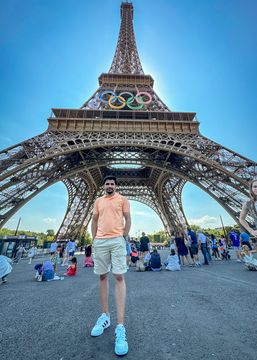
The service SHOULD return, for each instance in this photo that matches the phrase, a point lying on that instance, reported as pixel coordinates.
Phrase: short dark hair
(74, 260)
(110, 177)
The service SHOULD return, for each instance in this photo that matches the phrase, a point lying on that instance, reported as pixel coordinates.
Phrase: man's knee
(119, 278)
(103, 277)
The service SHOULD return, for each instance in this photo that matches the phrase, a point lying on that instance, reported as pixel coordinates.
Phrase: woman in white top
(248, 259)
(32, 253)
(172, 263)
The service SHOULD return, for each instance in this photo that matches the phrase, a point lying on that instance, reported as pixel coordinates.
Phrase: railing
(120, 115)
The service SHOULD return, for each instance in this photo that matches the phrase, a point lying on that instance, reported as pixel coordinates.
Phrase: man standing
(194, 246)
(202, 241)
(144, 244)
(234, 237)
(53, 247)
(108, 232)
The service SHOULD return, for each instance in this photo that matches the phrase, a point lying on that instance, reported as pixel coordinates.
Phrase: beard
(109, 191)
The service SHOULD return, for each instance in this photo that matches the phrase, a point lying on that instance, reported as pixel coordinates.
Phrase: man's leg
(121, 344)
(104, 293)
(204, 251)
(103, 322)
(120, 297)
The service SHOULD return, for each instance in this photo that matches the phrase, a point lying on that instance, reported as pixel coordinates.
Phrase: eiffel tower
(125, 130)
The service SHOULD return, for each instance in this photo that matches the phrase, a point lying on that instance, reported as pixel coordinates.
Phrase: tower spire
(126, 59)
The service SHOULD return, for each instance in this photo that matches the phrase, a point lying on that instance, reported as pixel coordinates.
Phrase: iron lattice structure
(126, 130)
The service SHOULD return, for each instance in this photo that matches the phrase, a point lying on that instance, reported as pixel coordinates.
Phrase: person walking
(32, 253)
(215, 248)
(108, 232)
(21, 250)
(202, 240)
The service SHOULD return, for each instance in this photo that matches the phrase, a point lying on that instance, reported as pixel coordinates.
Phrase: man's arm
(127, 223)
(94, 225)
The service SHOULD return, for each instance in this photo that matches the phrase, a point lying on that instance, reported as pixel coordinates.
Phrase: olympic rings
(110, 92)
(125, 98)
(112, 98)
(140, 99)
(130, 100)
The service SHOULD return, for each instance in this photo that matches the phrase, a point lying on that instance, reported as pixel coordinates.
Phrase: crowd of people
(184, 250)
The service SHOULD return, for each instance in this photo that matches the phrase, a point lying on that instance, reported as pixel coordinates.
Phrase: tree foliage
(85, 239)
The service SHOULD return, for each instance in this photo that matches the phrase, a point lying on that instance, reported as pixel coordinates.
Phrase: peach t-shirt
(111, 220)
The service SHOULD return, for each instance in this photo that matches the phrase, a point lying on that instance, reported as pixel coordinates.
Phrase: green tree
(85, 239)
(50, 232)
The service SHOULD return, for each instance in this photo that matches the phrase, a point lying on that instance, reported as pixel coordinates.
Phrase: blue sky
(202, 55)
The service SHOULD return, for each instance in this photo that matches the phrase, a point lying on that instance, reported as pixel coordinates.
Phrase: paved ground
(206, 313)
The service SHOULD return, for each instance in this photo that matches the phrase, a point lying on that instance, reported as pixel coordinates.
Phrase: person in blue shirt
(234, 237)
(194, 246)
(245, 239)
(155, 261)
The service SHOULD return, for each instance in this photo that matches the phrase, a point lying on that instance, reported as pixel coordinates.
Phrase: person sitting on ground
(140, 265)
(172, 263)
(147, 258)
(72, 269)
(155, 261)
(225, 255)
(134, 254)
(45, 272)
(5, 267)
(248, 259)
(88, 261)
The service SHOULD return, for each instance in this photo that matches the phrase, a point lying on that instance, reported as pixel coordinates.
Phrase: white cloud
(49, 220)
(142, 213)
(205, 221)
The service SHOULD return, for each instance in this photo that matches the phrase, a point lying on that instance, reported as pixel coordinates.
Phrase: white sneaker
(102, 323)
(121, 343)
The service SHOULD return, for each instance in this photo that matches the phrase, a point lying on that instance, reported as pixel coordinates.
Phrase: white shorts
(110, 254)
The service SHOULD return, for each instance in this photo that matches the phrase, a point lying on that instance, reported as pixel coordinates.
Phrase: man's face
(109, 187)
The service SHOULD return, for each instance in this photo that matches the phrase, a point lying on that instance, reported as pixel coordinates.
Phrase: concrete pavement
(197, 313)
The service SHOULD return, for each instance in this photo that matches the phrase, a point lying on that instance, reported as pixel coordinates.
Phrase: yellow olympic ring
(120, 98)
